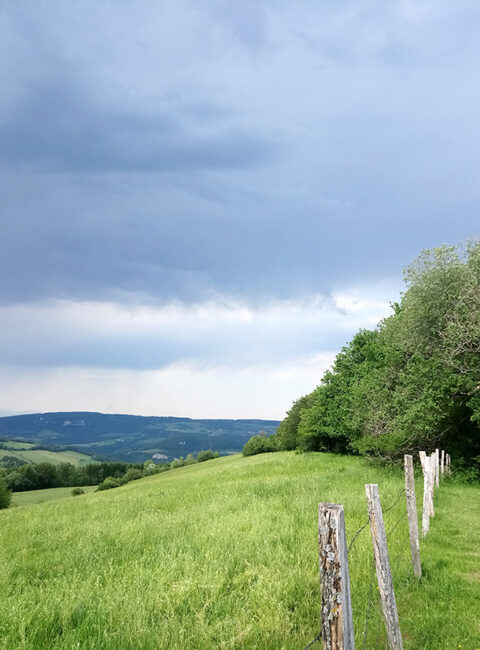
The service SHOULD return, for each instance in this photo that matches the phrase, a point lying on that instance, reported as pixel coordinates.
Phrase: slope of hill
(225, 554)
(24, 452)
(134, 438)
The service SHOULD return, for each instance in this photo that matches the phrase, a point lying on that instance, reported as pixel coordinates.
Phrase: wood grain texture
(412, 515)
(382, 562)
(337, 621)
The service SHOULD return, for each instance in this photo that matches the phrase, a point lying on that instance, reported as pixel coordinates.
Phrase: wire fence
(371, 607)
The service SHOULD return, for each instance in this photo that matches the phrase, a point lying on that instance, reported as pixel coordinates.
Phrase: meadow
(31, 497)
(224, 554)
(24, 451)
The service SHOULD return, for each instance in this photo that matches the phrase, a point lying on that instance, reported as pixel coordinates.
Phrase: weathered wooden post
(433, 461)
(422, 455)
(426, 496)
(442, 464)
(412, 515)
(382, 563)
(437, 467)
(337, 621)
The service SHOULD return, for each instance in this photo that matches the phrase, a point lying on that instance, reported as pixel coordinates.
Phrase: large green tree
(414, 382)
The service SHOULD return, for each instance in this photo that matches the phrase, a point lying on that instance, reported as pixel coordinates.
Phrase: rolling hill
(224, 554)
(24, 452)
(133, 438)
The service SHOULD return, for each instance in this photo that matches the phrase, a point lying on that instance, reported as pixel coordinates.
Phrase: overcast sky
(201, 202)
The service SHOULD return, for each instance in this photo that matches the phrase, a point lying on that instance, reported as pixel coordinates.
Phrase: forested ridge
(412, 383)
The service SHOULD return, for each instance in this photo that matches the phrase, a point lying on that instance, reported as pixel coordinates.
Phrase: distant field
(40, 496)
(224, 554)
(44, 456)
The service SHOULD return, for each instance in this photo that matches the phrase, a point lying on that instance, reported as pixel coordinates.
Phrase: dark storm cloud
(176, 151)
(57, 128)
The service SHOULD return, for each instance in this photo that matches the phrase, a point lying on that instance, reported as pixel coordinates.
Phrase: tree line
(105, 475)
(411, 383)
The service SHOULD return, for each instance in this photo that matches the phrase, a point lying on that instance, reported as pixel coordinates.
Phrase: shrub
(5, 495)
(76, 491)
(259, 445)
(132, 474)
(206, 454)
(109, 483)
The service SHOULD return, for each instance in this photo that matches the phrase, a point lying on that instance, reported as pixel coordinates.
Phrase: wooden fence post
(337, 621)
(422, 455)
(412, 515)
(426, 495)
(437, 467)
(432, 482)
(382, 562)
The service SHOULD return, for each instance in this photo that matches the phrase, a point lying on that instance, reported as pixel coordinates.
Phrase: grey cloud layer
(177, 151)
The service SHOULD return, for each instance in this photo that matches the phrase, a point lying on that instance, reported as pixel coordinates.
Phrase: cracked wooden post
(437, 467)
(337, 621)
(426, 496)
(422, 455)
(382, 563)
(433, 461)
(412, 515)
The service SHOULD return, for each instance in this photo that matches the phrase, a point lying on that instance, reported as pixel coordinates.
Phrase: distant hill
(133, 438)
(20, 453)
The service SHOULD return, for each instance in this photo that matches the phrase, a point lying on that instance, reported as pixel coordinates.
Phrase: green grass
(32, 497)
(224, 554)
(45, 456)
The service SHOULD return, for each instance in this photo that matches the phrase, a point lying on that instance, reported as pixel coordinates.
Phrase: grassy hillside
(133, 438)
(24, 451)
(224, 555)
(30, 497)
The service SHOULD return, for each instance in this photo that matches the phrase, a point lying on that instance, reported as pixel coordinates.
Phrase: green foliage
(5, 495)
(206, 454)
(414, 382)
(132, 474)
(260, 445)
(77, 491)
(109, 483)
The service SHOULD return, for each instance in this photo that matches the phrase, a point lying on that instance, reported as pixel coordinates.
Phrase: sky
(200, 203)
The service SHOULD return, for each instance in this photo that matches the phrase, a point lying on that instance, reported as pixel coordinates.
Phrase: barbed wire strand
(370, 590)
(399, 496)
(317, 638)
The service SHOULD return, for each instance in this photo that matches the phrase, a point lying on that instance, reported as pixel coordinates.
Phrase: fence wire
(371, 591)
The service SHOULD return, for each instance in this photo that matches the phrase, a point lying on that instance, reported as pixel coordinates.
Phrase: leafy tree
(259, 445)
(206, 454)
(413, 382)
(5, 495)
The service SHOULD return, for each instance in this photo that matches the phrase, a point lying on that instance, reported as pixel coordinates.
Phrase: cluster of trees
(412, 383)
(105, 475)
(47, 475)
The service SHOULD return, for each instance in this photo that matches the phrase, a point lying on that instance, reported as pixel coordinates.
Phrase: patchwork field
(224, 554)
(24, 452)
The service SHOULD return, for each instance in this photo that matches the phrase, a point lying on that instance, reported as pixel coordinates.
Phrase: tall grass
(225, 555)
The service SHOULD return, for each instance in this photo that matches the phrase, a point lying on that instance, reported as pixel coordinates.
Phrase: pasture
(224, 554)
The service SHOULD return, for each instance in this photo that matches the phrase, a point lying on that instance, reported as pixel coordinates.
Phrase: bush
(132, 474)
(109, 483)
(5, 495)
(206, 454)
(76, 491)
(259, 445)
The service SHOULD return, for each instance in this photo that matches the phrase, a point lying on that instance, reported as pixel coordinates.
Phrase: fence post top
(330, 506)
